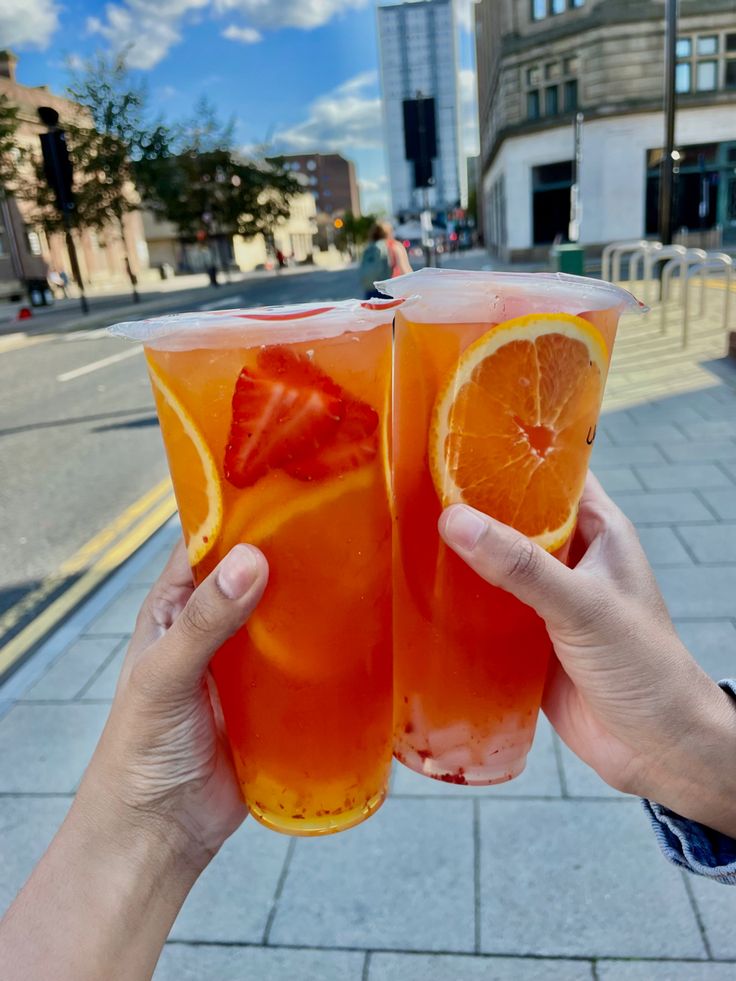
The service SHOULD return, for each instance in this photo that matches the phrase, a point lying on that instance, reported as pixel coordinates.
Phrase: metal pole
(666, 183)
(575, 204)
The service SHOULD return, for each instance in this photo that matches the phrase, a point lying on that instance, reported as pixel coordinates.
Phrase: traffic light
(57, 167)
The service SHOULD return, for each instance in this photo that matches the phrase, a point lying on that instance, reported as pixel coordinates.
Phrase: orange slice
(193, 471)
(513, 426)
(314, 533)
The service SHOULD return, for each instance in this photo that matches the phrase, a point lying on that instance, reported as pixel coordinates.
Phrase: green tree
(11, 153)
(210, 191)
(107, 141)
(355, 230)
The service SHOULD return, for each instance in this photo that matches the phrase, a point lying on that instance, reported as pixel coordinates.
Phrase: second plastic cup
(498, 382)
(275, 423)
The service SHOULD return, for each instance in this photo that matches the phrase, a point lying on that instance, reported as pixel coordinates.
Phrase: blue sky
(299, 73)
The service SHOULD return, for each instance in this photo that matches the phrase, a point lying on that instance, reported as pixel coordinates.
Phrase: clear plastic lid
(459, 295)
(259, 325)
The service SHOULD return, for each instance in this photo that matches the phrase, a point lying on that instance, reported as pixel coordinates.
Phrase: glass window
(571, 95)
(532, 76)
(731, 73)
(552, 70)
(731, 42)
(532, 104)
(707, 45)
(311, 165)
(559, 6)
(551, 101)
(572, 66)
(577, 3)
(34, 243)
(539, 9)
(707, 72)
(682, 77)
(684, 47)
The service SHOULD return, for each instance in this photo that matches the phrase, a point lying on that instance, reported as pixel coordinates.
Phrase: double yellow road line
(87, 569)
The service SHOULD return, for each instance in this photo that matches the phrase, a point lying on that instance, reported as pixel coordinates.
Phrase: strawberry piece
(282, 413)
(354, 443)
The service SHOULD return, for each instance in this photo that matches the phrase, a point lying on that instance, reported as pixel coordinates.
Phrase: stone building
(27, 253)
(330, 178)
(542, 61)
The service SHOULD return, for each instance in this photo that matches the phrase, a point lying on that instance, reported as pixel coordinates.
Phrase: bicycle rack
(612, 254)
(680, 262)
(715, 260)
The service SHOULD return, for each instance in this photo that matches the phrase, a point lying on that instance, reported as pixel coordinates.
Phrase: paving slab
(579, 878)
(620, 479)
(664, 508)
(664, 971)
(70, 673)
(711, 429)
(120, 616)
(27, 825)
(106, 681)
(184, 963)
(403, 880)
(711, 543)
(449, 967)
(150, 572)
(713, 644)
(45, 748)
(715, 450)
(624, 432)
(684, 476)
(717, 906)
(722, 503)
(665, 411)
(231, 900)
(605, 457)
(702, 592)
(539, 779)
(663, 547)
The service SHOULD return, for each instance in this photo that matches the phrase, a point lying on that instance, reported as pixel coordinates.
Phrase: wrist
(698, 779)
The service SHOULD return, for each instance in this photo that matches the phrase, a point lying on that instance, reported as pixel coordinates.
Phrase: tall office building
(418, 53)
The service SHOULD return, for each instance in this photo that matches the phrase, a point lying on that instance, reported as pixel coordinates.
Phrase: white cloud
(145, 30)
(346, 119)
(28, 23)
(246, 35)
(468, 87)
(369, 186)
(273, 14)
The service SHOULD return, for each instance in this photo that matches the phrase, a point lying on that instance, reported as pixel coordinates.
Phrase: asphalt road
(76, 449)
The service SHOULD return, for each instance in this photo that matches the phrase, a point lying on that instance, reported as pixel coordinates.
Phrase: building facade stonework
(27, 253)
(542, 61)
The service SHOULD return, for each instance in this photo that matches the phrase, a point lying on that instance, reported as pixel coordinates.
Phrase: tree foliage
(11, 153)
(204, 186)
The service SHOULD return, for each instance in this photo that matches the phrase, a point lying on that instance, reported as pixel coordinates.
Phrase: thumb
(506, 558)
(217, 608)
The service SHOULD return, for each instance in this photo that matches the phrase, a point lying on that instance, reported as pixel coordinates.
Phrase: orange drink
(498, 381)
(275, 424)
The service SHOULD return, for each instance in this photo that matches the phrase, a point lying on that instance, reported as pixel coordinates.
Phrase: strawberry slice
(354, 443)
(282, 413)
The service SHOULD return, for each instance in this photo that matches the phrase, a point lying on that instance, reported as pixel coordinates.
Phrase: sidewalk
(552, 877)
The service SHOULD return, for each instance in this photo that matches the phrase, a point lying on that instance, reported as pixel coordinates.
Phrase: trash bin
(569, 259)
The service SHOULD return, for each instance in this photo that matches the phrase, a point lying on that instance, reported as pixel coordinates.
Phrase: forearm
(99, 905)
(698, 781)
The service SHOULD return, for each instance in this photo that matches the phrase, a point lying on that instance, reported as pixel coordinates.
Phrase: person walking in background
(383, 258)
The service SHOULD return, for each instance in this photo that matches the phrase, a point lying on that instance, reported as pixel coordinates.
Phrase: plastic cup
(498, 382)
(275, 424)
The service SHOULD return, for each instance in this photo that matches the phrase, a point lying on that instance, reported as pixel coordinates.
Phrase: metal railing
(715, 261)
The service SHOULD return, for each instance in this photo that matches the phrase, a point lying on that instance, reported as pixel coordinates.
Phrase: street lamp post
(666, 181)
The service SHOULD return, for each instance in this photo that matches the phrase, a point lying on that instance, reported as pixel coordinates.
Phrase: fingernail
(237, 572)
(464, 526)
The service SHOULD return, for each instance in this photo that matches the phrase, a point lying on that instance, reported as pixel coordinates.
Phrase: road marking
(86, 335)
(83, 556)
(157, 514)
(11, 342)
(86, 369)
(223, 304)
